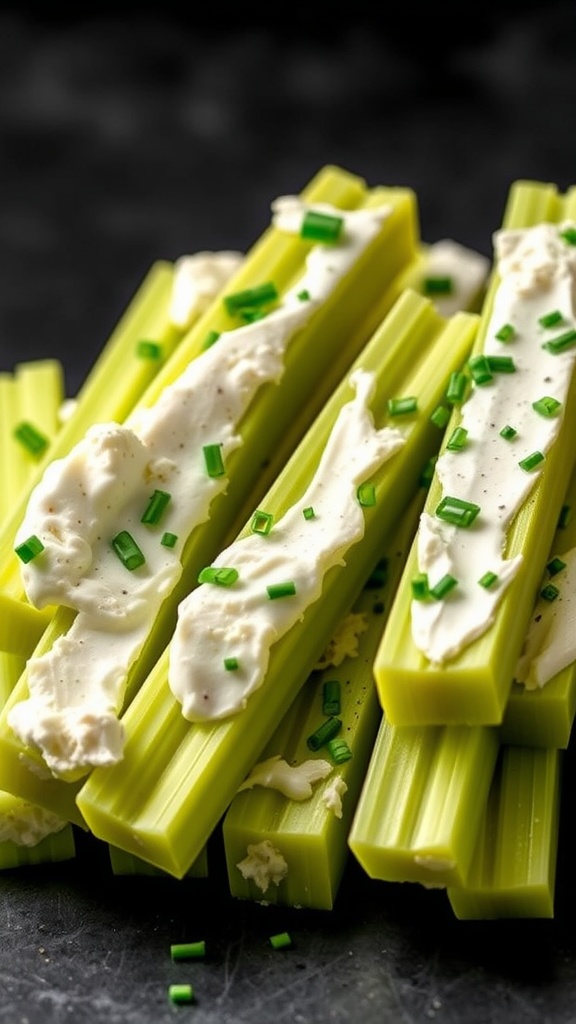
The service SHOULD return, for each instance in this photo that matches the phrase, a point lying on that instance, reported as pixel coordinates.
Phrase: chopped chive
(210, 339)
(181, 994)
(550, 319)
(440, 416)
(531, 461)
(325, 732)
(501, 364)
(562, 342)
(402, 406)
(569, 236)
(188, 950)
(262, 522)
(221, 575)
(480, 370)
(457, 511)
(549, 592)
(213, 460)
(547, 406)
(457, 440)
(127, 550)
(321, 227)
(366, 494)
(555, 565)
(338, 750)
(29, 549)
(427, 473)
(378, 576)
(250, 316)
(420, 587)
(169, 539)
(304, 295)
(308, 512)
(31, 438)
(443, 587)
(436, 285)
(456, 389)
(280, 941)
(148, 349)
(156, 508)
(488, 580)
(564, 517)
(231, 664)
(505, 333)
(251, 297)
(331, 701)
(277, 590)
(508, 432)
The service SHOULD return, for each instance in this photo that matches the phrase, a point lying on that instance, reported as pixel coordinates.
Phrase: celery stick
(123, 863)
(311, 835)
(165, 797)
(57, 846)
(473, 686)
(513, 869)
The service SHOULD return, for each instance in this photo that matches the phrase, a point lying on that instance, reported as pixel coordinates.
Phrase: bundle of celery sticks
(353, 743)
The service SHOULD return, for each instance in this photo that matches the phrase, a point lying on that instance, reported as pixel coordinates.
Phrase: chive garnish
(564, 517)
(569, 236)
(437, 285)
(169, 539)
(562, 342)
(457, 511)
(213, 460)
(555, 565)
(402, 406)
(250, 316)
(188, 950)
(531, 461)
(480, 370)
(321, 227)
(304, 295)
(181, 993)
(277, 590)
(338, 750)
(508, 432)
(457, 439)
(501, 364)
(440, 416)
(547, 406)
(505, 333)
(148, 349)
(29, 549)
(331, 697)
(221, 575)
(280, 941)
(210, 339)
(308, 512)
(155, 508)
(420, 587)
(488, 580)
(325, 732)
(251, 297)
(231, 664)
(261, 522)
(443, 587)
(127, 550)
(31, 438)
(549, 592)
(456, 390)
(550, 319)
(366, 494)
(427, 474)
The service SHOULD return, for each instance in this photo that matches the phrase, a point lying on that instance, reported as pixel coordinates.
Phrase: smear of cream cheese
(103, 487)
(537, 273)
(550, 644)
(466, 269)
(197, 279)
(241, 621)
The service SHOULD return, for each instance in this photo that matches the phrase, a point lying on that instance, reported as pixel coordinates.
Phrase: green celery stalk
(58, 846)
(513, 870)
(311, 838)
(473, 687)
(123, 863)
(165, 797)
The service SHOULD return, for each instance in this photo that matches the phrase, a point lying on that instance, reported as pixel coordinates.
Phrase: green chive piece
(148, 349)
(569, 236)
(29, 549)
(427, 473)
(420, 586)
(156, 508)
(457, 440)
(508, 432)
(457, 511)
(480, 370)
(456, 390)
(440, 416)
(280, 941)
(551, 319)
(531, 461)
(564, 517)
(338, 750)
(402, 406)
(250, 316)
(277, 590)
(562, 342)
(331, 701)
(262, 522)
(304, 295)
(436, 285)
(210, 339)
(221, 575)
(549, 592)
(188, 950)
(31, 438)
(443, 587)
(251, 297)
(378, 576)
(169, 540)
(325, 732)
(555, 565)
(547, 406)
(366, 494)
(308, 512)
(505, 333)
(321, 227)
(231, 664)
(488, 580)
(181, 994)
(501, 364)
(127, 550)
(213, 460)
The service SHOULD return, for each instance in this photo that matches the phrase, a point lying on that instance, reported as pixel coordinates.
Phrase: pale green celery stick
(123, 863)
(421, 803)
(53, 848)
(316, 360)
(308, 834)
(513, 871)
(544, 717)
(473, 687)
(163, 800)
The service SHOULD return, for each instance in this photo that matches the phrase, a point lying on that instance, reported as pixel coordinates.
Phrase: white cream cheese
(26, 824)
(264, 865)
(344, 643)
(333, 794)
(197, 280)
(241, 621)
(294, 781)
(466, 269)
(537, 271)
(103, 487)
(550, 644)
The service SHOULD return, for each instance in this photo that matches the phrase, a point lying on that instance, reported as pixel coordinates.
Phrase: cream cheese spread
(533, 305)
(264, 865)
(242, 621)
(292, 780)
(550, 644)
(197, 279)
(466, 271)
(102, 488)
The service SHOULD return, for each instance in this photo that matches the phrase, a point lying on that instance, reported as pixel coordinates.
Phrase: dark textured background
(147, 134)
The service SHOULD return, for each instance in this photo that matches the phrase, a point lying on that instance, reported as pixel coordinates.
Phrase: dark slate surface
(142, 135)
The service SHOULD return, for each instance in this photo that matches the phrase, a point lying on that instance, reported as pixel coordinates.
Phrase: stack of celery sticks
(349, 743)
